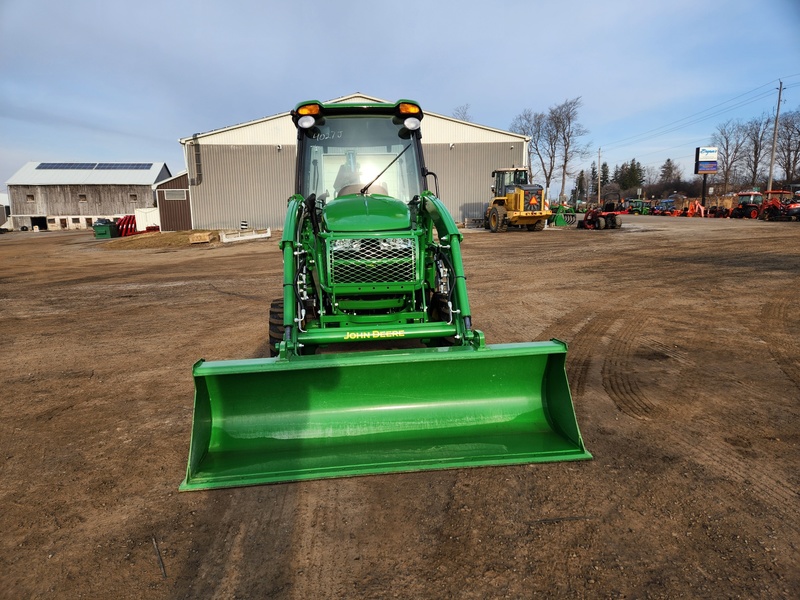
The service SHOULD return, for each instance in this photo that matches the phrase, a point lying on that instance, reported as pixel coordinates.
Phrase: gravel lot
(683, 364)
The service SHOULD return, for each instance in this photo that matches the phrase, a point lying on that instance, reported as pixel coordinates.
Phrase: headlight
(306, 121)
(346, 245)
(396, 243)
(411, 123)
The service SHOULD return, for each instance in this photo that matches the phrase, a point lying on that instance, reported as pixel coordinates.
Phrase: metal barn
(242, 175)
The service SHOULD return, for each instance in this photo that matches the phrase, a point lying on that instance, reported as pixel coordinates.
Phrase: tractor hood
(366, 213)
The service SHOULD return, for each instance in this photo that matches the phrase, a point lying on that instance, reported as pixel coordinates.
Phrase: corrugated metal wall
(465, 173)
(252, 183)
(230, 184)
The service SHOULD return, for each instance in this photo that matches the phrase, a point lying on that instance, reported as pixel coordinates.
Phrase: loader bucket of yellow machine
(271, 420)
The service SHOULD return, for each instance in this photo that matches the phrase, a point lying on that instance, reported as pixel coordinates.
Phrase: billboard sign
(705, 160)
(706, 154)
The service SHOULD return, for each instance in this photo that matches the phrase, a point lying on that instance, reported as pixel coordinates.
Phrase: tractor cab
(748, 205)
(508, 179)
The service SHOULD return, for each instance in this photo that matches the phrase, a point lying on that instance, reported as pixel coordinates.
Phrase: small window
(51, 221)
(133, 198)
(174, 194)
(76, 220)
(29, 198)
(81, 197)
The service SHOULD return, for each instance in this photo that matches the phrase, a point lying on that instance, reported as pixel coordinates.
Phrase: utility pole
(774, 137)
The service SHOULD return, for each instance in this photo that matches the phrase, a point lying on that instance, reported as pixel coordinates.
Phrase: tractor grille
(371, 260)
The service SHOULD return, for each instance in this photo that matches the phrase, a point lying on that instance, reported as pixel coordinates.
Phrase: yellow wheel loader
(375, 366)
(516, 202)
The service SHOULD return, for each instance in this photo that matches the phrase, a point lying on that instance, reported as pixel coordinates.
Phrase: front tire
(275, 326)
(497, 219)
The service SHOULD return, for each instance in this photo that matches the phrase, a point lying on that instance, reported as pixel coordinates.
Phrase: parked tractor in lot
(719, 212)
(375, 366)
(607, 215)
(516, 202)
(747, 205)
(639, 207)
(779, 205)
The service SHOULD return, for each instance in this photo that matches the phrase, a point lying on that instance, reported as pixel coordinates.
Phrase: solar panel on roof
(124, 166)
(66, 166)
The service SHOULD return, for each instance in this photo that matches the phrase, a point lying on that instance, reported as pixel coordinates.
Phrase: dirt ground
(683, 364)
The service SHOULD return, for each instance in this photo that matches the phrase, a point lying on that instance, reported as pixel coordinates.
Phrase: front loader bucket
(271, 420)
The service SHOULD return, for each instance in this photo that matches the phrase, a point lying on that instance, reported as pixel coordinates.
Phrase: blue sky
(102, 80)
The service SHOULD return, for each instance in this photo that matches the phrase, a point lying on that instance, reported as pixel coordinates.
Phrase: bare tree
(564, 118)
(756, 149)
(543, 140)
(462, 113)
(650, 176)
(788, 148)
(730, 138)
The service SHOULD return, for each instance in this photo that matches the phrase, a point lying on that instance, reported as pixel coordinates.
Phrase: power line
(643, 137)
(691, 120)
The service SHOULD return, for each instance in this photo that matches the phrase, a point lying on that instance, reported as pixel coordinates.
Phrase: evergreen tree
(631, 175)
(604, 177)
(618, 173)
(669, 172)
(582, 187)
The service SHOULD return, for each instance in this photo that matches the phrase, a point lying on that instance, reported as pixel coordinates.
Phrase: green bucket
(272, 420)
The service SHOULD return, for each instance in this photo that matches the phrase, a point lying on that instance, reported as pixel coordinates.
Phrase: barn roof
(280, 129)
(73, 173)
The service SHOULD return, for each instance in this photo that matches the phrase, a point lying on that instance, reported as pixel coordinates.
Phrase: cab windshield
(750, 199)
(347, 153)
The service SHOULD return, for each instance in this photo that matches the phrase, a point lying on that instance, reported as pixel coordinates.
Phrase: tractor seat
(375, 188)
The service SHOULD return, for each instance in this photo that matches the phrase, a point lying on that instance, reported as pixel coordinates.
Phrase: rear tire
(275, 326)
(601, 223)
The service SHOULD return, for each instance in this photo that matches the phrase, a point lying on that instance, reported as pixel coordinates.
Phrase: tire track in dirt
(621, 385)
(695, 439)
(718, 455)
(255, 521)
(319, 529)
(777, 496)
(774, 326)
(617, 371)
(669, 351)
(579, 358)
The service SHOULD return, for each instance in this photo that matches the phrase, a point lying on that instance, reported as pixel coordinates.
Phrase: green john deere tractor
(375, 365)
